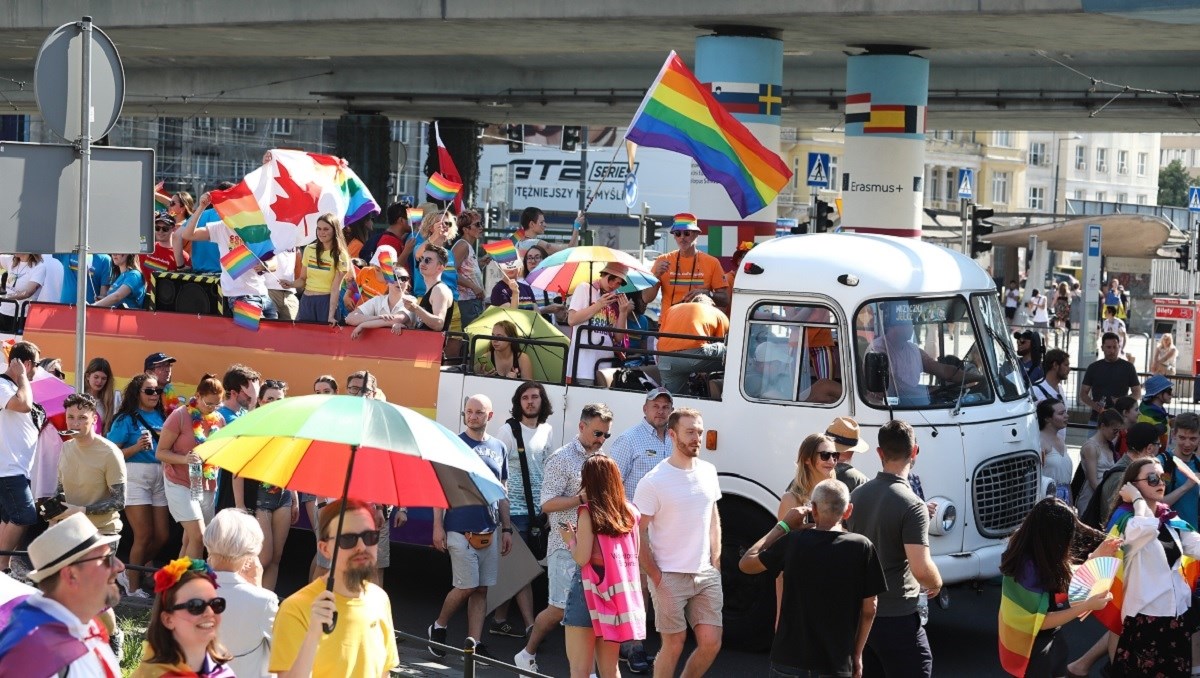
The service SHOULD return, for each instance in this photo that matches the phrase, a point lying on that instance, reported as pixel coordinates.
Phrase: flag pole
(596, 189)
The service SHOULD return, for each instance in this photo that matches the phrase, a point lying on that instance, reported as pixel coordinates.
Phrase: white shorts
(145, 485)
(473, 567)
(184, 508)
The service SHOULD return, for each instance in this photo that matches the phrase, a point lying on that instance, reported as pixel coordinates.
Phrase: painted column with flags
(883, 173)
(745, 75)
(446, 167)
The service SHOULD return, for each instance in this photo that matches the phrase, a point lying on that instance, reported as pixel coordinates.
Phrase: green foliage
(1173, 182)
(133, 622)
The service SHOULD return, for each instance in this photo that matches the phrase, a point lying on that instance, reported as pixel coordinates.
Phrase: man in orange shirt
(686, 272)
(700, 318)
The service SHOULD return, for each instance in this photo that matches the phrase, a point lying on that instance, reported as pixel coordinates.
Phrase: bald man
(469, 534)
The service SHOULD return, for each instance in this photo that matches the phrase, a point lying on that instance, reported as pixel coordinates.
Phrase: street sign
(1194, 198)
(1091, 291)
(630, 191)
(966, 183)
(58, 81)
(818, 170)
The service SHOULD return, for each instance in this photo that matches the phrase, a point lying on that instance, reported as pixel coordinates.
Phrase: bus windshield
(921, 353)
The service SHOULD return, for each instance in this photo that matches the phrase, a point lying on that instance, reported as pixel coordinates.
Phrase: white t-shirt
(249, 284)
(537, 448)
(1040, 312)
(285, 269)
(1114, 325)
(52, 282)
(21, 276)
(681, 505)
(377, 307)
(584, 296)
(18, 437)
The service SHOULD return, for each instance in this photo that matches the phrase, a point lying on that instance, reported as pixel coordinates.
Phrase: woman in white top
(233, 540)
(1096, 455)
(1038, 307)
(601, 305)
(385, 310)
(1157, 612)
(26, 276)
(1165, 355)
(1052, 417)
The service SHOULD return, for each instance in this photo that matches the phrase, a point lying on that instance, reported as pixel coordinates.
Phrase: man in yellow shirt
(686, 272)
(363, 644)
(91, 470)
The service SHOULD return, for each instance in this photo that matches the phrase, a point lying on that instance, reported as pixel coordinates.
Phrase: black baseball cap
(157, 359)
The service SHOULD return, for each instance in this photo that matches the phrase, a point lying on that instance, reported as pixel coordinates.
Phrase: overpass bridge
(1117, 65)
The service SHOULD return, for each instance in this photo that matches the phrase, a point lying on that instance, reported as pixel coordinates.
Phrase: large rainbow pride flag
(680, 114)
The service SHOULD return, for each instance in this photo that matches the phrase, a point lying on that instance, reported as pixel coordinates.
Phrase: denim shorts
(576, 612)
(16, 501)
(272, 501)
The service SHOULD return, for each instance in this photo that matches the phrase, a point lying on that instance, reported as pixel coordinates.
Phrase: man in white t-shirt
(681, 547)
(52, 283)
(18, 439)
(1115, 325)
(250, 286)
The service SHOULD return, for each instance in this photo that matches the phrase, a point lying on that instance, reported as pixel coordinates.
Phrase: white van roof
(884, 265)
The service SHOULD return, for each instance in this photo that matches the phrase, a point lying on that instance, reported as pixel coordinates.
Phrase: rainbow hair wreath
(168, 575)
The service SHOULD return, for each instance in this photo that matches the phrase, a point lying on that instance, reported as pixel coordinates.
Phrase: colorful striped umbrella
(564, 270)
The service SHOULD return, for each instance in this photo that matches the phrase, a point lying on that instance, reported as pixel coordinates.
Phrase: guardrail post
(469, 659)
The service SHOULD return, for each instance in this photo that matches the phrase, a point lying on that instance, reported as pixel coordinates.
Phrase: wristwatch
(506, 530)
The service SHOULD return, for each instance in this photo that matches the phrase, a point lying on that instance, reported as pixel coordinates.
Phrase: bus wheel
(749, 612)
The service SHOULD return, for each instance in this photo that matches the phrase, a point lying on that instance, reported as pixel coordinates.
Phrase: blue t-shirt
(137, 289)
(229, 414)
(1187, 505)
(449, 276)
(99, 273)
(206, 256)
(126, 430)
(479, 518)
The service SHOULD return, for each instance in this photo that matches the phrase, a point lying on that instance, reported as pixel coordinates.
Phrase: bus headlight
(944, 516)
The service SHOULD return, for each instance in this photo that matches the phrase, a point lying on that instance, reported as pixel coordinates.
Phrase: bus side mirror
(875, 371)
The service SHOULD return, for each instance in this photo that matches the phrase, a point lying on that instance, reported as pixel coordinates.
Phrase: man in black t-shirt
(1109, 378)
(822, 628)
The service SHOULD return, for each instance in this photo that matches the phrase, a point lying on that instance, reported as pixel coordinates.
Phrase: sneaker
(141, 593)
(638, 662)
(522, 660)
(505, 628)
(116, 642)
(436, 635)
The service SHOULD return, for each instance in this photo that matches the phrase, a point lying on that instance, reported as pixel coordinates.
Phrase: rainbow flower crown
(168, 575)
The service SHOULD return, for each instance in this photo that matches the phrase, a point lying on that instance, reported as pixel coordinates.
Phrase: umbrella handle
(328, 628)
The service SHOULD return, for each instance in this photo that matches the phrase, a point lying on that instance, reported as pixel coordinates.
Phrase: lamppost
(1057, 165)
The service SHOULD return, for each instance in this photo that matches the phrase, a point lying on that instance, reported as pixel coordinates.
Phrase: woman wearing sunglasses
(135, 430)
(1158, 612)
(598, 304)
(816, 460)
(182, 637)
(385, 310)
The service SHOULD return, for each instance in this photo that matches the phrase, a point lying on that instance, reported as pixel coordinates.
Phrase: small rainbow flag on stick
(156, 265)
(246, 315)
(239, 261)
(441, 188)
(501, 251)
(415, 216)
(387, 266)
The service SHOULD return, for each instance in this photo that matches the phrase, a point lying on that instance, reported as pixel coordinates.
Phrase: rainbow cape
(501, 251)
(246, 315)
(441, 188)
(680, 114)
(239, 261)
(1023, 607)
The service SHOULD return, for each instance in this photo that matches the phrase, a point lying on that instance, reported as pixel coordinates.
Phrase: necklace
(691, 275)
(200, 422)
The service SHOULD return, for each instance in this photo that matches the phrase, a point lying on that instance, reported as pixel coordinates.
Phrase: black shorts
(1010, 312)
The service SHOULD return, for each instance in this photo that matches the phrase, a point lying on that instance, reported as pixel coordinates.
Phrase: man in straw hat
(54, 630)
(848, 440)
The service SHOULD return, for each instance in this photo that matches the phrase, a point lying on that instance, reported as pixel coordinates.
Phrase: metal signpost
(818, 177)
(966, 192)
(1193, 208)
(1091, 294)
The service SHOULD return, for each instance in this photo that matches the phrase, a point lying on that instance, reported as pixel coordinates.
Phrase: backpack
(1095, 514)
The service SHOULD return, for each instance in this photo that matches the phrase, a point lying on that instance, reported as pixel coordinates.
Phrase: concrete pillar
(882, 184)
(364, 140)
(745, 69)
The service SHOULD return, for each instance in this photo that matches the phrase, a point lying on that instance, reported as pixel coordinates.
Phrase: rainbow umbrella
(564, 270)
(390, 454)
(50, 392)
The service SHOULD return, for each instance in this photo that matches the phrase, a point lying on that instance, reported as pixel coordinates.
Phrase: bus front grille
(1004, 491)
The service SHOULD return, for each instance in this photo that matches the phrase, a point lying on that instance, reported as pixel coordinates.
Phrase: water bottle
(923, 607)
(196, 479)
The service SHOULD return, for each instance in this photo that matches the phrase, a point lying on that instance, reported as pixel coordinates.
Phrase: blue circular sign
(631, 190)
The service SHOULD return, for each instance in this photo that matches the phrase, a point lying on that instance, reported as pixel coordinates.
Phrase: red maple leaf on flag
(297, 202)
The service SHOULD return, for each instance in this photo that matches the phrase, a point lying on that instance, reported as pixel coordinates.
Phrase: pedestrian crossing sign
(818, 170)
(966, 183)
(1194, 198)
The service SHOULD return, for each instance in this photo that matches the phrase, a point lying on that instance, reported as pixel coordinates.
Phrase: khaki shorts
(682, 599)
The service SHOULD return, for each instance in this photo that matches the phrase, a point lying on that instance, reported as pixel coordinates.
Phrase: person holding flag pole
(248, 286)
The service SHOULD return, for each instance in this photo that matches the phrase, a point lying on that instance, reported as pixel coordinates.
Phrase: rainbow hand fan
(1093, 577)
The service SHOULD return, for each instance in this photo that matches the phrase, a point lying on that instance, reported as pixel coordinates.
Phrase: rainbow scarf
(247, 315)
(441, 188)
(501, 251)
(680, 114)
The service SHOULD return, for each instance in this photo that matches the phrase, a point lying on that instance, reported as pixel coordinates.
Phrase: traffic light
(493, 214)
(1183, 256)
(571, 137)
(979, 228)
(822, 219)
(650, 231)
(516, 138)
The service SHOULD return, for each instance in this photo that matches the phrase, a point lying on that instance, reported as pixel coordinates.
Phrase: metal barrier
(632, 350)
(470, 340)
(469, 658)
(1183, 387)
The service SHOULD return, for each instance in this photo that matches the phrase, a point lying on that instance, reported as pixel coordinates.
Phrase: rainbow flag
(246, 314)
(441, 188)
(501, 251)
(155, 265)
(239, 209)
(239, 261)
(1023, 607)
(680, 114)
(415, 216)
(359, 201)
(387, 266)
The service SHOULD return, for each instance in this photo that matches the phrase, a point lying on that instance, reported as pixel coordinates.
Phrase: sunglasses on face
(162, 229)
(827, 456)
(684, 234)
(347, 541)
(610, 277)
(195, 606)
(276, 384)
(1153, 480)
(211, 406)
(110, 559)
(152, 391)
(601, 434)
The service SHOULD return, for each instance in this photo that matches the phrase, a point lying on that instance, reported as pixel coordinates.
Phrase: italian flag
(722, 241)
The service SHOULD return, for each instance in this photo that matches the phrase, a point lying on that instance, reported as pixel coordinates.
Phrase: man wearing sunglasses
(686, 272)
(363, 643)
(561, 497)
(161, 366)
(75, 569)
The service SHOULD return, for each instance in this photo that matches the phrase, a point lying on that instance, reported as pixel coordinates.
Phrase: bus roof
(884, 266)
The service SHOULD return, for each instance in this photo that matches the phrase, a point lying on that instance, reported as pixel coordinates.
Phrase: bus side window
(792, 354)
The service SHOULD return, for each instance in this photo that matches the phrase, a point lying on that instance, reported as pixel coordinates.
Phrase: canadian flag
(447, 168)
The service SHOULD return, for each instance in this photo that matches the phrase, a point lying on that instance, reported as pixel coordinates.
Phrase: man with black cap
(160, 365)
(1030, 351)
(55, 631)
(847, 440)
(686, 272)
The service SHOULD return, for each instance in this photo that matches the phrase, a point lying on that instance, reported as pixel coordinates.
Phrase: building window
(1003, 139)
(1081, 157)
(1122, 198)
(934, 190)
(1079, 194)
(1101, 196)
(1143, 199)
(203, 123)
(1143, 159)
(1101, 159)
(204, 165)
(833, 173)
(1122, 162)
(951, 185)
(281, 127)
(798, 165)
(400, 131)
(243, 124)
(1037, 198)
(1000, 188)
(243, 167)
(1037, 154)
